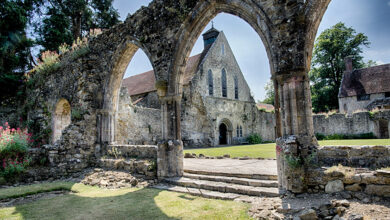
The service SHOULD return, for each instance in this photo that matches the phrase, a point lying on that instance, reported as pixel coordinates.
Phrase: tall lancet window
(224, 84)
(211, 83)
(235, 87)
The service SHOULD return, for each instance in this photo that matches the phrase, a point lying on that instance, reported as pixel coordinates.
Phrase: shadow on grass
(95, 204)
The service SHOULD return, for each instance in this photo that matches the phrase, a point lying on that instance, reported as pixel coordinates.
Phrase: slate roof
(366, 81)
(145, 82)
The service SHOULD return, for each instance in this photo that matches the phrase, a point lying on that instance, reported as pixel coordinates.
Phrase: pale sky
(371, 17)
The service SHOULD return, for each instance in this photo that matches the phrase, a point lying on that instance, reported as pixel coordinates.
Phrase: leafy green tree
(15, 56)
(269, 93)
(331, 47)
(67, 20)
(55, 30)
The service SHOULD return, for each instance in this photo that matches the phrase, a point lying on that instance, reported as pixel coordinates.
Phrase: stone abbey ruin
(80, 101)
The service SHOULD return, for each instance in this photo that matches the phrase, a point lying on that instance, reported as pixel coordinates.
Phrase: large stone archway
(166, 31)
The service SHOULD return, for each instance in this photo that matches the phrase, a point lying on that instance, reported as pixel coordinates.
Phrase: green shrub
(320, 136)
(254, 139)
(345, 136)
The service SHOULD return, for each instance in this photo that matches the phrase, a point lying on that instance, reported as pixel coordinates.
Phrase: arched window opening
(224, 84)
(61, 118)
(235, 87)
(211, 83)
(223, 49)
(137, 90)
(240, 131)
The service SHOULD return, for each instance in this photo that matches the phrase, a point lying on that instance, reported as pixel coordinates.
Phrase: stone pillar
(106, 127)
(296, 148)
(170, 150)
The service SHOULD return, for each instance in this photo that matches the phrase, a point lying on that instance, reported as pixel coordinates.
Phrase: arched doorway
(223, 135)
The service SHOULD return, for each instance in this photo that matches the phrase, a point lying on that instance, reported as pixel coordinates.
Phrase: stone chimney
(348, 64)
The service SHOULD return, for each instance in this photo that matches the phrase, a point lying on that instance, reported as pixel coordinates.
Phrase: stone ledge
(132, 151)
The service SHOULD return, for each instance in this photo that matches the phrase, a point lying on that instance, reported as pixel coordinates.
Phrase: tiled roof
(366, 81)
(267, 107)
(145, 82)
(141, 83)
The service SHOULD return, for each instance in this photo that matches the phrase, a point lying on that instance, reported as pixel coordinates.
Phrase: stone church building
(217, 105)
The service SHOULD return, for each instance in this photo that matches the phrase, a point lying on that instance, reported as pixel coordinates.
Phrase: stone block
(378, 190)
(354, 188)
(334, 186)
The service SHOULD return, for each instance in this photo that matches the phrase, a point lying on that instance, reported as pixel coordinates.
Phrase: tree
(15, 56)
(67, 20)
(330, 49)
(269, 93)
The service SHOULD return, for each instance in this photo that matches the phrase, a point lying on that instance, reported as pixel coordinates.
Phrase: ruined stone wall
(354, 124)
(148, 100)
(136, 125)
(348, 105)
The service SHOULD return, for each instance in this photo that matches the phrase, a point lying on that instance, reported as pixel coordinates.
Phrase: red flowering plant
(14, 144)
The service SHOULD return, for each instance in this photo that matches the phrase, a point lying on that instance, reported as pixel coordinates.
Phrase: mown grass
(129, 203)
(254, 151)
(268, 150)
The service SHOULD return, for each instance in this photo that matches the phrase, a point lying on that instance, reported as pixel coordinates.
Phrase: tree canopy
(269, 93)
(63, 22)
(67, 20)
(15, 45)
(331, 47)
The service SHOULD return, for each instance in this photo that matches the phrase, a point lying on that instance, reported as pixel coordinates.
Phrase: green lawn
(268, 150)
(130, 203)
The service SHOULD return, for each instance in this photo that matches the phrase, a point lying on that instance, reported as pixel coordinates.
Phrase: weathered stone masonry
(166, 31)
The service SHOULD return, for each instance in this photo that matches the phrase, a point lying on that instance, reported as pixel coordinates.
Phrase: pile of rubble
(114, 179)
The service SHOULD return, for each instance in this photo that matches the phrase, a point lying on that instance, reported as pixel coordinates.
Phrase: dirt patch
(31, 198)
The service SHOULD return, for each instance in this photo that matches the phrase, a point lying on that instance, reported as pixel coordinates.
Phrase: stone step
(223, 187)
(234, 180)
(238, 175)
(206, 193)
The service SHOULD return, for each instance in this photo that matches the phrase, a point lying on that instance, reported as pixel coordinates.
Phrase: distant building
(364, 89)
(217, 106)
(266, 107)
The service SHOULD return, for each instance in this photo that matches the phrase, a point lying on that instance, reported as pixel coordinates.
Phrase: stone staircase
(135, 159)
(227, 186)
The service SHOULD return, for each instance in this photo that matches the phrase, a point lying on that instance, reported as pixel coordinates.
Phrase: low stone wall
(355, 156)
(353, 124)
(353, 169)
(354, 180)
